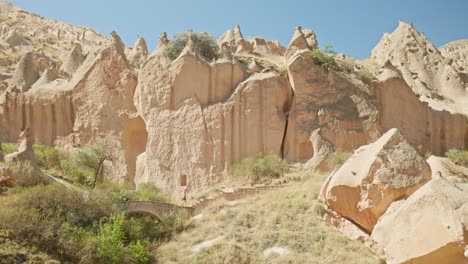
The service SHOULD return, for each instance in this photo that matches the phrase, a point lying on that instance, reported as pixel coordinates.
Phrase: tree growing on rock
(203, 41)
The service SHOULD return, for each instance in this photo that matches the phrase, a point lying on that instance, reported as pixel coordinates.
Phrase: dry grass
(286, 218)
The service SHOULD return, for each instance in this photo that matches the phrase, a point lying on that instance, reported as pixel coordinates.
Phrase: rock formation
(423, 68)
(139, 52)
(26, 74)
(427, 129)
(375, 176)
(323, 99)
(456, 54)
(165, 119)
(73, 60)
(25, 153)
(430, 227)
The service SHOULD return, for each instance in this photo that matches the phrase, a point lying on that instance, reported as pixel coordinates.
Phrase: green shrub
(347, 66)
(338, 158)
(85, 165)
(8, 148)
(111, 238)
(47, 157)
(139, 252)
(260, 168)
(56, 220)
(365, 75)
(458, 156)
(203, 41)
(150, 192)
(325, 57)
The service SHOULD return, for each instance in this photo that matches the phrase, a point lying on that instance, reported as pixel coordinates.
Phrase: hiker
(184, 194)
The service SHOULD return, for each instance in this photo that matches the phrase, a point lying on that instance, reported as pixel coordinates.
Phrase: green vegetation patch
(260, 168)
(203, 41)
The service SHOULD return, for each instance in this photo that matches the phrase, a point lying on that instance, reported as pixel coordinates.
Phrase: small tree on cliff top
(204, 41)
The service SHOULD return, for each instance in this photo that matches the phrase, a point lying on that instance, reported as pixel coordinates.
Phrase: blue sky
(352, 27)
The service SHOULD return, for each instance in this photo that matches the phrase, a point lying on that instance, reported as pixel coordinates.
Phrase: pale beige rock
(14, 39)
(322, 149)
(444, 167)
(375, 176)
(265, 47)
(298, 42)
(323, 99)
(430, 227)
(103, 108)
(427, 129)
(231, 38)
(456, 54)
(26, 74)
(423, 68)
(73, 60)
(139, 53)
(24, 154)
(198, 127)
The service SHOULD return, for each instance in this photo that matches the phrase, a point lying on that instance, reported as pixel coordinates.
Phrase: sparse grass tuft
(458, 156)
(338, 158)
(325, 57)
(365, 75)
(285, 218)
(260, 168)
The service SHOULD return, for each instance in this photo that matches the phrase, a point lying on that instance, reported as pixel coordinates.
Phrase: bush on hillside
(365, 75)
(260, 168)
(47, 157)
(8, 148)
(325, 57)
(85, 165)
(458, 156)
(338, 158)
(205, 42)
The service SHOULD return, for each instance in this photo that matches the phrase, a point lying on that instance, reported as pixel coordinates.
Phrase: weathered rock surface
(444, 167)
(73, 60)
(197, 127)
(423, 68)
(427, 129)
(139, 53)
(430, 227)
(456, 52)
(375, 176)
(323, 99)
(25, 153)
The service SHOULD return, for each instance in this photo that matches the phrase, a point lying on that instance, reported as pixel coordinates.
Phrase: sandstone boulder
(375, 176)
(430, 227)
(15, 170)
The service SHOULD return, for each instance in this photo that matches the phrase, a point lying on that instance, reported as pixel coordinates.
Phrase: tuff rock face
(164, 119)
(423, 67)
(377, 174)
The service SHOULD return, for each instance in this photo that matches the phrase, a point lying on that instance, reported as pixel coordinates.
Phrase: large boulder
(20, 167)
(430, 227)
(375, 176)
